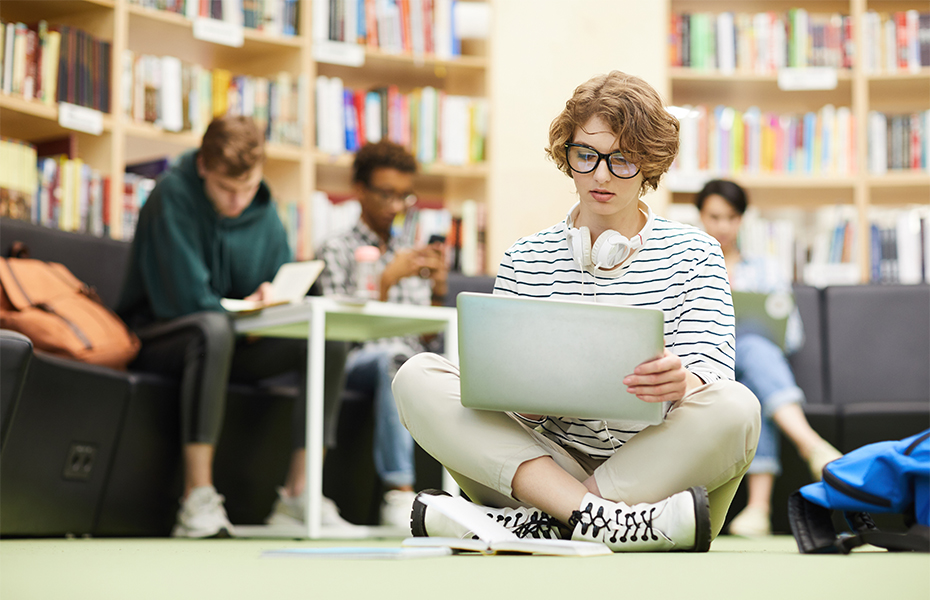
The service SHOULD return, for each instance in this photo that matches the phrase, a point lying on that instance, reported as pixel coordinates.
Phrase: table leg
(316, 340)
(452, 353)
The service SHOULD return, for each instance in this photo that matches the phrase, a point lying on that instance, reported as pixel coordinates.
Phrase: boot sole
(418, 513)
(702, 533)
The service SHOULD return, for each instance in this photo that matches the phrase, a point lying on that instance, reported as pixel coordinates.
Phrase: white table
(319, 319)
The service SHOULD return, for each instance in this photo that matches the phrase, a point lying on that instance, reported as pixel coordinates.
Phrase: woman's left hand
(662, 379)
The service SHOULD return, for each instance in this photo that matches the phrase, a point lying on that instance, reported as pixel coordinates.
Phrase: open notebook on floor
(492, 537)
(290, 284)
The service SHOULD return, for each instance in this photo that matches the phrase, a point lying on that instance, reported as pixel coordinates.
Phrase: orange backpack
(62, 315)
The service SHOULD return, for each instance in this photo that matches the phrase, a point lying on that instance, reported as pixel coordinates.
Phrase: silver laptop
(556, 357)
(764, 314)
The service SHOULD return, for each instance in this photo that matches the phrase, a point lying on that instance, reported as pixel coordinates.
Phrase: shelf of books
(125, 86)
(401, 71)
(821, 110)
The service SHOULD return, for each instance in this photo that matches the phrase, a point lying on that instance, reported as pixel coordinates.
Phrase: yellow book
(767, 160)
(737, 146)
(49, 67)
(221, 80)
(65, 193)
(19, 58)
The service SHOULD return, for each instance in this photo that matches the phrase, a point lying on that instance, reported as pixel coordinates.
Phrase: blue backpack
(885, 477)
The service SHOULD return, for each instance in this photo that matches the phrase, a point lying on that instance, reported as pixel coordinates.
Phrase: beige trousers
(708, 439)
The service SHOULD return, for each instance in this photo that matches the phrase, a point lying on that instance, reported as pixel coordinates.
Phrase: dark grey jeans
(203, 351)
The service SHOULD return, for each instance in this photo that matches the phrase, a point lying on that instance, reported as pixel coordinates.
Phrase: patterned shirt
(679, 269)
(338, 278)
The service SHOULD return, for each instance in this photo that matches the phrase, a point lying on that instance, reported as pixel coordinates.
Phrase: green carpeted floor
(164, 568)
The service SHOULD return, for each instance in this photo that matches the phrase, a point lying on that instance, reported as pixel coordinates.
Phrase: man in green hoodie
(210, 230)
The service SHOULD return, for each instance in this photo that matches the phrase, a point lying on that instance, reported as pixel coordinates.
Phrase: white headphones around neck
(610, 248)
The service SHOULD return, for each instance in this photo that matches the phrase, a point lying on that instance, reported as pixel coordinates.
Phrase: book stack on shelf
(275, 17)
(48, 184)
(55, 63)
(774, 239)
(433, 125)
(899, 142)
(761, 42)
(895, 42)
(727, 141)
(398, 26)
(821, 111)
(176, 95)
(18, 178)
(900, 242)
(827, 246)
(70, 194)
(180, 63)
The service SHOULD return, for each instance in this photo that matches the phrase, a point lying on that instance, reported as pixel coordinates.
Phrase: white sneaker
(680, 522)
(290, 511)
(202, 515)
(523, 522)
(396, 507)
(287, 510)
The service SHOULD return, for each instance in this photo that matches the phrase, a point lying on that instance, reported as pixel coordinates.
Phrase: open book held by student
(291, 283)
(492, 537)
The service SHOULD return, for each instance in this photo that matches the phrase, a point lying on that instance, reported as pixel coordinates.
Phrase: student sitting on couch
(210, 230)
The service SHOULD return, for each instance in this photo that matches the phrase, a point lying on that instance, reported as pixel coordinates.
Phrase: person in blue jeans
(383, 177)
(762, 365)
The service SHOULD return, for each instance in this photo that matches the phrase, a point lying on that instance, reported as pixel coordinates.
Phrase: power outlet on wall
(80, 461)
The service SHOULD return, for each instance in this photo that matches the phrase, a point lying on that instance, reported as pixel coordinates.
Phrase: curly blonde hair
(647, 132)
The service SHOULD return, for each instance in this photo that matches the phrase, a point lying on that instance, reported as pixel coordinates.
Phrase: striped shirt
(338, 279)
(679, 269)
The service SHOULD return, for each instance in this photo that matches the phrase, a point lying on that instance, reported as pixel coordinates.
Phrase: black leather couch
(90, 450)
(865, 369)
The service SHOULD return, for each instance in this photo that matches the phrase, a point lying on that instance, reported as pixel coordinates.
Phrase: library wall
(532, 75)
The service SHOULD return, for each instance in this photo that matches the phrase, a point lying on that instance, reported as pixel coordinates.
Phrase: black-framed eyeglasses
(387, 196)
(584, 159)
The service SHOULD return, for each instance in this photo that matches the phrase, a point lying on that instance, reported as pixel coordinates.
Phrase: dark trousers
(203, 351)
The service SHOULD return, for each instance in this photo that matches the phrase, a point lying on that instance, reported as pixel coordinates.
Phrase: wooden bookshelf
(861, 89)
(293, 171)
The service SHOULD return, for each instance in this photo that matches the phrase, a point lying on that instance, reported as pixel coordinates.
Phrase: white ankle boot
(680, 522)
(522, 522)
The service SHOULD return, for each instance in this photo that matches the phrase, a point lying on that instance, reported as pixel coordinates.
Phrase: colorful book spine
(179, 96)
(417, 27)
(435, 126)
(761, 42)
(899, 142)
(725, 141)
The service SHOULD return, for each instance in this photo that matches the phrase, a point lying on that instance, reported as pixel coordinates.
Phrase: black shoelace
(624, 525)
(535, 525)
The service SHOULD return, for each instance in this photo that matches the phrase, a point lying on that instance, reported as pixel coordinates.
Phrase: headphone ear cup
(579, 240)
(602, 252)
